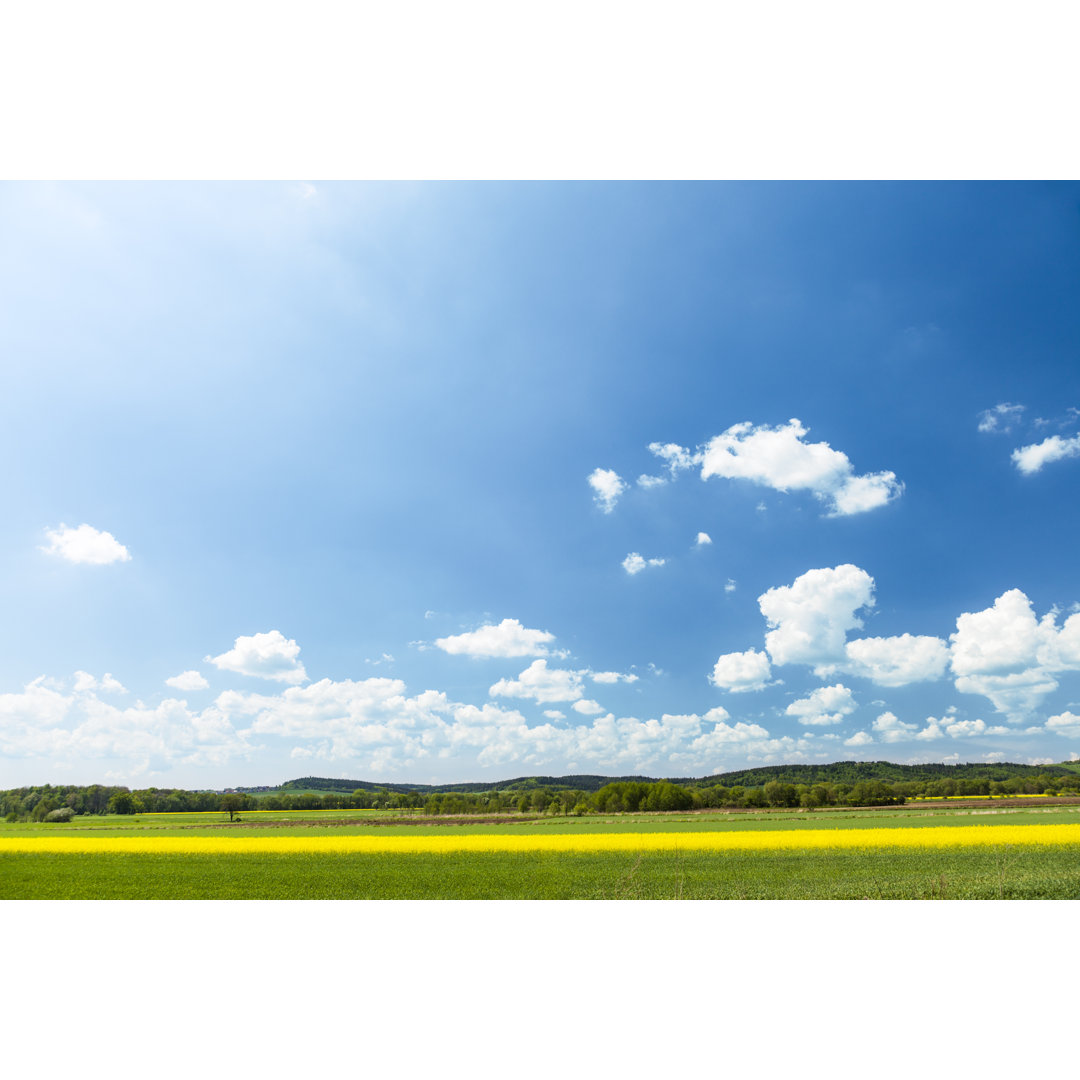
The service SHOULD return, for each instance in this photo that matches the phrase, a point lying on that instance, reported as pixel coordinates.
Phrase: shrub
(64, 813)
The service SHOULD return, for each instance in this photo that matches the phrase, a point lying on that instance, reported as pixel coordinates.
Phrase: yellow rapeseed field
(719, 842)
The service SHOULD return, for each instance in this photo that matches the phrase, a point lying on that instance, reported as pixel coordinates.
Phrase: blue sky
(346, 479)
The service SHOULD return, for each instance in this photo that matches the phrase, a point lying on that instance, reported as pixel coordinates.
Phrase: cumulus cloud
(824, 706)
(931, 731)
(374, 724)
(634, 563)
(1000, 418)
(809, 619)
(742, 672)
(1030, 459)
(587, 707)
(85, 545)
(41, 722)
(730, 585)
(1008, 655)
(777, 457)
(960, 729)
(265, 656)
(1067, 724)
(84, 681)
(607, 486)
(508, 639)
(890, 728)
(647, 481)
(703, 538)
(541, 683)
(612, 677)
(897, 661)
(860, 738)
(187, 680)
(677, 458)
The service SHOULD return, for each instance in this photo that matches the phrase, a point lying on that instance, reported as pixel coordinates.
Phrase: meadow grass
(896, 874)
(657, 859)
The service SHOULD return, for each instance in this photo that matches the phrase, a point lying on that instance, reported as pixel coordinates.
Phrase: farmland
(928, 851)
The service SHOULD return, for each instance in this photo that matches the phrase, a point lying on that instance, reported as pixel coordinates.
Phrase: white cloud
(508, 639)
(778, 458)
(1004, 637)
(587, 707)
(826, 705)
(860, 738)
(810, 618)
(84, 681)
(730, 585)
(1066, 723)
(741, 672)
(647, 481)
(541, 684)
(611, 677)
(265, 656)
(1016, 695)
(372, 725)
(1030, 459)
(703, 538)
(187, 680)
(1007, 655)
(960, 729)
(890, 728)
(677, 457)
(42, 723)
(85, 545)
(634, 563)
(897, 661)
(554, 714)
(1000, 418)
(931, 732)
(607, 486)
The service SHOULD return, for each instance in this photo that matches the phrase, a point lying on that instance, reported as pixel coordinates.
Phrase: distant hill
(847, 772)
(521, 783)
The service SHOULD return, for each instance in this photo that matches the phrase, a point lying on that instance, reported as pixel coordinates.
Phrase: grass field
(895, 853)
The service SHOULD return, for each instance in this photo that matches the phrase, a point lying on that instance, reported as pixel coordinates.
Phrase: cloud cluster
(264, 656)
(775, 457)
(1030, 459)
(1003, 653)
(187, 680)
(1000, 418)
(742, 672)
(607, 486)
(44, 722)
(540, 683)
(635, 563)
(507, 639)
(85, 545)
(1010, 657)
(780, 458)
(824, 706)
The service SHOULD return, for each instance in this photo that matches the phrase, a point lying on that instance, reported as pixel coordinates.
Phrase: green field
(1008, 871)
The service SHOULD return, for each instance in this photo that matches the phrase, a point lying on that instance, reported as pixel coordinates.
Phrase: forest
(804, 786)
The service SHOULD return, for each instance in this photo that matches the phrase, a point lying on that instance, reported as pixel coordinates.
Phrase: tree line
(621, 796)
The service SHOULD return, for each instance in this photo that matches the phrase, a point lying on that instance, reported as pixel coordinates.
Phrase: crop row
(773, 840)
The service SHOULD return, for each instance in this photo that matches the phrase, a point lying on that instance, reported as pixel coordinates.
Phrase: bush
(64, 813)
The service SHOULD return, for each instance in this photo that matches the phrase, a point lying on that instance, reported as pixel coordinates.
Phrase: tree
(232, 803)
(122, 803)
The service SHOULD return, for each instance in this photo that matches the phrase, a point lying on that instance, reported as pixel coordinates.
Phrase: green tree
(123, 802)
(232, 804)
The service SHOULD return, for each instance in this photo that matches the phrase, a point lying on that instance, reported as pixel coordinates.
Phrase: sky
(440, 482)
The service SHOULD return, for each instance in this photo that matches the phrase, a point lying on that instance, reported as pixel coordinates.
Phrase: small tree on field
(232, 803)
